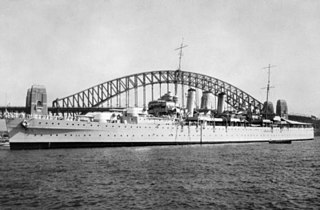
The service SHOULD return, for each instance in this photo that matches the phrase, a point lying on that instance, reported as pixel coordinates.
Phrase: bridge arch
(97, 95)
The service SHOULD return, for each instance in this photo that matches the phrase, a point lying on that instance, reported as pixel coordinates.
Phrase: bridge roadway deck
(82, 110)
(85, 110)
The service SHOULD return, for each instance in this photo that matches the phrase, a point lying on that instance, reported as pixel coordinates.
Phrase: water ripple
(237, 176)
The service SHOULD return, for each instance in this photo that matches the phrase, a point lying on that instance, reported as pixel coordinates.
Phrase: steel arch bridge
(102, 93)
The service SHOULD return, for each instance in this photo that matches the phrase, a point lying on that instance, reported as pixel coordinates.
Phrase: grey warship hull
(47, 133)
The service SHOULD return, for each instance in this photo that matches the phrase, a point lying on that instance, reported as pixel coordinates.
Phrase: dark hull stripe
(55, 145)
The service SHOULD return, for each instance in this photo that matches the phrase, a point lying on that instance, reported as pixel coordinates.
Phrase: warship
(164, 122)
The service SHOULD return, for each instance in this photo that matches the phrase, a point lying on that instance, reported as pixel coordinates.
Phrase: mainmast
(268, 87)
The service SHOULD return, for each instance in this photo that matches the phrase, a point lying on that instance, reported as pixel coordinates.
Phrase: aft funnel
(221, 99)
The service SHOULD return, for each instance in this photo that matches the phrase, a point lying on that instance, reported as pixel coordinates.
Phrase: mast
(177, 73)
(180, 53)
(268, 87)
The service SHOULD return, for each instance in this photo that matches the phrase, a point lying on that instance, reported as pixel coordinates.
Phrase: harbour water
(231, 176)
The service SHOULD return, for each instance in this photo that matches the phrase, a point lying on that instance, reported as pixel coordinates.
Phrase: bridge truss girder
(104, 92)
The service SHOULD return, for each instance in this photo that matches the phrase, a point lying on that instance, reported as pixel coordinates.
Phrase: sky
(69, 46)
